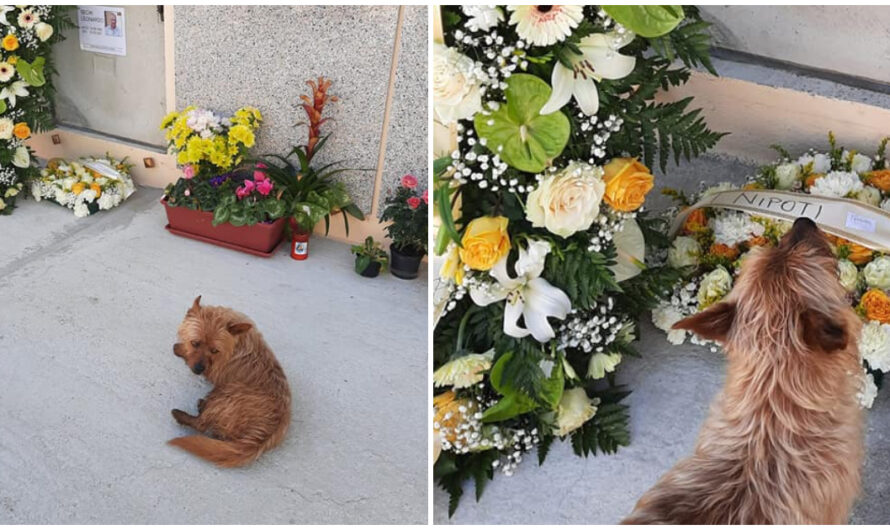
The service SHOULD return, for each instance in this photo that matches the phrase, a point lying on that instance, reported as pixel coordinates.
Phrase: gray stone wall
(230, 56)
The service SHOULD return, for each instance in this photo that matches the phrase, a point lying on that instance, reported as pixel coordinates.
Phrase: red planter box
(260, 239)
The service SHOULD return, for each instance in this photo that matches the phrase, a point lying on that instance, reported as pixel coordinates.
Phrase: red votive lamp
(299, 245)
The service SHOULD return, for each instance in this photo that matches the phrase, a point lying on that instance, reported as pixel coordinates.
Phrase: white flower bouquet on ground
(712, 243)
(86, 186)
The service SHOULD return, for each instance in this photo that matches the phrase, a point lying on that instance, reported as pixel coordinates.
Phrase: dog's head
(207, 337)
(786, 299)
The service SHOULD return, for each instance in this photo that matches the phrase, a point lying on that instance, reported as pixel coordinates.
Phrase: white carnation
(723, 186)
(787, 176)
(837, 184)
(874, 345)
(81, 210)
(684, 252)
(482, 18)
(664, 317)
(821, 162)
(106, 201)
(860, 162)
(731, 228)
(848, 275)
(868, 391)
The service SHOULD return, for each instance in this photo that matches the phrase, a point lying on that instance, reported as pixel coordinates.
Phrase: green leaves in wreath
(515, 401)
(528, 139)
(647, 21)
(32, 73)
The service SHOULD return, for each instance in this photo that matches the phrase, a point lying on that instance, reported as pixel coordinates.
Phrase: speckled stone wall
(406, 148)
(230, 56)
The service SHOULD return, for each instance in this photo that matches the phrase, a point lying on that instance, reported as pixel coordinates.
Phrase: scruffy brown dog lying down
(783, 441)
(248, 410)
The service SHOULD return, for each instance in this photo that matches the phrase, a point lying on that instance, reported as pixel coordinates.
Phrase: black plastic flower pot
(404, 264)
(372, 270)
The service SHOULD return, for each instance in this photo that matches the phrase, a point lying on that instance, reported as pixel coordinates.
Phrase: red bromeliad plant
(314, 108)
(311, 192)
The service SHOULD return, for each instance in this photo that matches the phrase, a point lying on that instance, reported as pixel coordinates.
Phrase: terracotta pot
(260, 239)
(403, 264)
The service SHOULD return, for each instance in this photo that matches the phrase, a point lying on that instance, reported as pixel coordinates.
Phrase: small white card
(860, 222)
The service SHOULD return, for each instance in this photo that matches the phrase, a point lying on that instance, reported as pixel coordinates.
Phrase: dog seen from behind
(248, 410)
(783, 442)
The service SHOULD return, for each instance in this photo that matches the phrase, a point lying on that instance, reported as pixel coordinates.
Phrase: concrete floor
(88, 314)
(672, 390)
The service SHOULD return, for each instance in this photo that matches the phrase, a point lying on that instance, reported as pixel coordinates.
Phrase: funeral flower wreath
(543, 236)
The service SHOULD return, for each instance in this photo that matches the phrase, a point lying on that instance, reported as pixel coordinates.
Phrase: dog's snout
(198, 368)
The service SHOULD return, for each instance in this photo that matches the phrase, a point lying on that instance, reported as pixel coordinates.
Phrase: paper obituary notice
(102, 29)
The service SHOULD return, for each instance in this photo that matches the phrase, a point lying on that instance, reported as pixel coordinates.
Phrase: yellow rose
(876, 305)
(448, 415)
(485, 242)
(96, 188)
(78, 188)
(857, 253)
(879, 178)
(10, 43)
(627, 183)
(21, 130)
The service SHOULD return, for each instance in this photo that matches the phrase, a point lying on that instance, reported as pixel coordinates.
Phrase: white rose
(684, 252)
(877, 273)
(11, 192)
(821, 162)
(21, 158)
(482, 18)
(43, 31)
(787, 175)
(869, 195)
(859, 164)
(575, 408)
(848, 275)
(6, 127)
(567, 201)
(714, 286)
(456, 93)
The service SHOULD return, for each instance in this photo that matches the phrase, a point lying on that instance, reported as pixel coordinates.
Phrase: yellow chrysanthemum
(168, 119)
(242, 134)
(465, 371)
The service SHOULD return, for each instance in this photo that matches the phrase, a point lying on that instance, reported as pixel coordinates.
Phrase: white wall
(853, 40)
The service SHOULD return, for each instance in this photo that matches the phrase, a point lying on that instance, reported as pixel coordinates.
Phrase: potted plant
(220, 198)
(369, 258)
(309, 191)
(407, 211)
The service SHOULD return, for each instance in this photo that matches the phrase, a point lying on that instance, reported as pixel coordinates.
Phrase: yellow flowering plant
(207, 145)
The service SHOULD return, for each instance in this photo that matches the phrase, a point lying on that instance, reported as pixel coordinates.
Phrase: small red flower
(409, 181)
(413, 202)
(426, 198)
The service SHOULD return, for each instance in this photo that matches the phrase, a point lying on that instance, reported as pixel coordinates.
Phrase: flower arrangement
(713, 242)
(542, 229)
(27, 34)
(310, 192)
(407, 210)
(207, 145)
(86, 186)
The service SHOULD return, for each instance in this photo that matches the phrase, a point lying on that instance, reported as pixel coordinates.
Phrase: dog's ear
(713, 323)
(821, 332)
(239, 328)
(196, 306)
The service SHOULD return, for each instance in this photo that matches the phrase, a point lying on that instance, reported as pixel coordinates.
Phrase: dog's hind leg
(184, 418)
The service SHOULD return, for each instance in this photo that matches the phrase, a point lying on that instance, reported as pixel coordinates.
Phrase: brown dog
(783, 441)
(248, 410)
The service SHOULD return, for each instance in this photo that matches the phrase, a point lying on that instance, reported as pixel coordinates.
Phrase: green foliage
(582, 274)
(606, 431)
(647, 21)
(452, 471)
(369, 252)
(408, 212)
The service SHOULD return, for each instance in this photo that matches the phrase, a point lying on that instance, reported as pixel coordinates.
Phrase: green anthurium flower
(517, 131)
(32, 73)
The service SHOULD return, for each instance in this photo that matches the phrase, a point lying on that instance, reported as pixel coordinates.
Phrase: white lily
(528, 295)
(4, 10)
(17, 89)
(599, 60)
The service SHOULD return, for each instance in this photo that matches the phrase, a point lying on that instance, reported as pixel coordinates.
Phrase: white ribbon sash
(861, 223)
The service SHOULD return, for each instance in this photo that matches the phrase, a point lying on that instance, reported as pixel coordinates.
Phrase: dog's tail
(221, 453)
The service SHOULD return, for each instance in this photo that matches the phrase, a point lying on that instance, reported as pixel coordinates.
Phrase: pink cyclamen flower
(409, 181)
(426, 198)
(259, 175)
(264, 187)
(246, 189)
(413, 202)
(188, 171)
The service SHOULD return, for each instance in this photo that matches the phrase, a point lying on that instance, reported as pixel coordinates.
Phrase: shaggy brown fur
(248, 410)
(783, 441)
